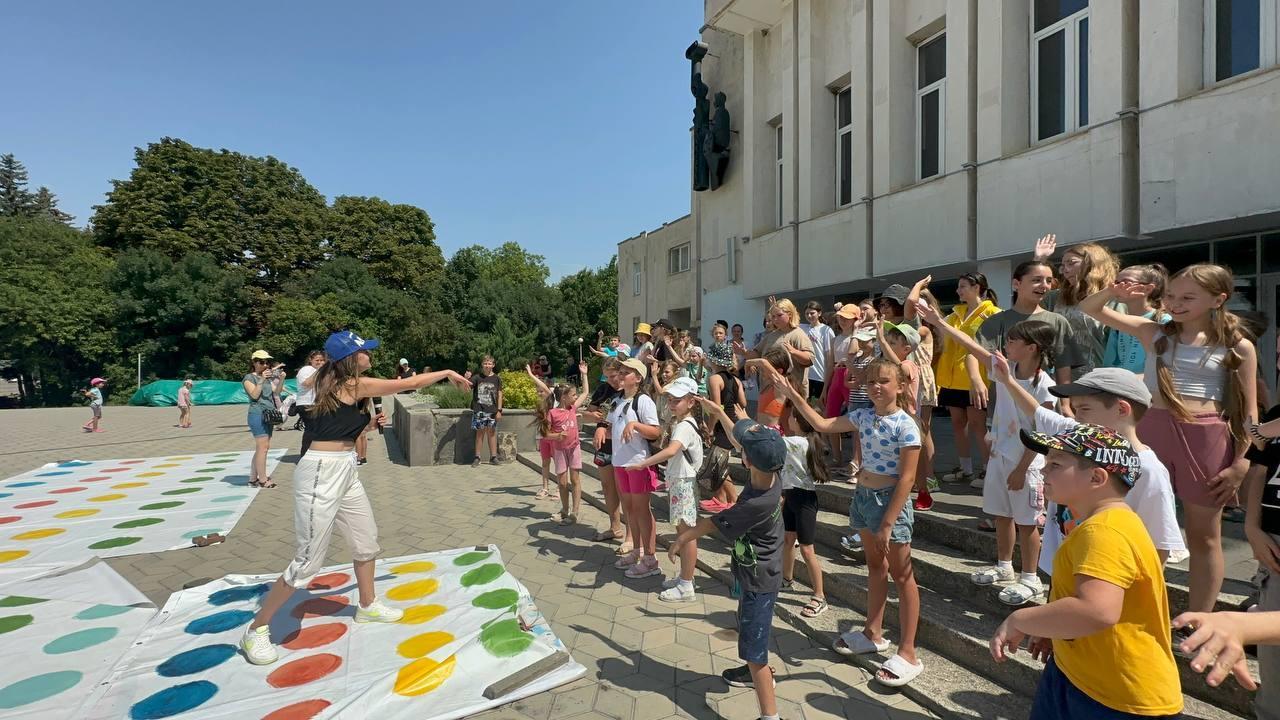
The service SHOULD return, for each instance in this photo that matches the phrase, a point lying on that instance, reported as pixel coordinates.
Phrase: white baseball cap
(680, 387)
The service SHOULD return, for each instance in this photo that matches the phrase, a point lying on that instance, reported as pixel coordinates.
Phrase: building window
(635, 278)
(844, 147)
(678, 259)
(1059, 67)
(931, 105)
(1240, 35)
(777, 182)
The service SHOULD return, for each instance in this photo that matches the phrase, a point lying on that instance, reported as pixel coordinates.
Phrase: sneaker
(627, 561)
(923, 502)
(668, 583)
(257, 646)
(377, 612)
(852, 542)
(932, 485)
(475, 462)
(678, 594)
(644, 569)
(992, 575)
(362, 461)
(741, 677)
(493, 460)
(977, 482)
(1022, 592)
(957, 475)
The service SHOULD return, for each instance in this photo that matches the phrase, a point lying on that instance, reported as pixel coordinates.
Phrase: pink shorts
(635, 482)
(545, 448)
(567, 458)
(836, 398)
(1192, 451)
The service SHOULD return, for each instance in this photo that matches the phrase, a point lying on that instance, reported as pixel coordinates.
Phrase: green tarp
(164, 393)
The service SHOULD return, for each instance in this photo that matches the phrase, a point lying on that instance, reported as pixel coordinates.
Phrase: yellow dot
(419, 614)
(10, 555)
(149, 474)
(126, 486)
(39, 534)
(107, 498)
(413, 567)
(180, 457)
(413, 590)
(420, 645)
(85, 512)
(166, 465)
(422, 676)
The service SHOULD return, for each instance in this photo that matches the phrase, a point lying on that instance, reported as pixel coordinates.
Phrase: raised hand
(1000, 367)
(1127, 292)
(1045, 247)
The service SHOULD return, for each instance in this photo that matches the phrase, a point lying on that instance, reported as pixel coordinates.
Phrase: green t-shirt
(995, 329)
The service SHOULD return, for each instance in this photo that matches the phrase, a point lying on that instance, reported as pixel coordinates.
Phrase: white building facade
(875, 141)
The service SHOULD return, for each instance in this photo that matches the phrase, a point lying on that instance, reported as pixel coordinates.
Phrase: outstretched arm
(377, 387)
(583, 394)
(1096, 306)
(543, 390)
(839, 424)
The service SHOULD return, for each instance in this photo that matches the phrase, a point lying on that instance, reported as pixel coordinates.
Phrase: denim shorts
(755, 620)
(258, 426)
(867, 509)
(1057, 699)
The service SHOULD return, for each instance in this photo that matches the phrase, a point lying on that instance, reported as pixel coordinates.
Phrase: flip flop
(903, 672)
(855, 643)
(605, 536)
(985, 525)
(262, 485)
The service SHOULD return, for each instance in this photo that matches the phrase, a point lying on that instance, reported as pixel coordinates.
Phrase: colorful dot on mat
(221, 462)
(11, 555)
(182, 491)
(303, 670)
(128, 485)
(80, 640)
(470, 558)
(413, 590)
(304, 710)
(497, 599)
(215, 514)
(97, 612)
(28, 483)
(82, 512)
(314, 636)
(132, 462)
(414, 567)
(321, 607)
(137, 523)
(37, 688)
(36, 504)
(328, 581)
(6, 519)
(162, 505)
(505, 638)
(218, 622)
(108, 498)
(212, 469)
(202, 478)
(229, 498)
(65, 490)
(197, 533)
(75, 463)
(99, 478)
(5, 495)
(196, 660)
(422, 676)
(40, 534)
(9, 623)
(420, 645)
(419, 614)
(114, 543)
(150, 474)
(165, 465)
(116, 470)
(20, 600)
(181, 457)
(482, 575)
(238, 594)
(53, 473)
(173, 700)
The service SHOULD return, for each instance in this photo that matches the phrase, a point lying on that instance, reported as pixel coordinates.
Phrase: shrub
(518, 390)
(446, 396)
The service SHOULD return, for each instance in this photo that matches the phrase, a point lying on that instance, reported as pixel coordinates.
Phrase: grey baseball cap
(762, 445)
(1115, 381)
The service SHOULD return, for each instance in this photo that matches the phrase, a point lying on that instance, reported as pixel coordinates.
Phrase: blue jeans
(755, 620)
(1057, 699)
(867, 509)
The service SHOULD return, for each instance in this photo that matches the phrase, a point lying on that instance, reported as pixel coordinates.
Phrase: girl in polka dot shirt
(881, 512)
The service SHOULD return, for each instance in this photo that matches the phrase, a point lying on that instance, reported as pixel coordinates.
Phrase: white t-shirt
(687, 434)
(306, 395)
(794, 473)
(1007, 419)
(822, 338)
(642, 408)
(1151, 498)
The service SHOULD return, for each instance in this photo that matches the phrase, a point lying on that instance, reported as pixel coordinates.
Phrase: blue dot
(237, 594)
(218, 622)
(53, 473)
(5, 495)
(28, 483)
(196, 660)
(884, 443)
(97, 612)
(74, 463)
(173, 700)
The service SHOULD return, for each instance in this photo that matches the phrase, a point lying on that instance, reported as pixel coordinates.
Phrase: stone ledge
(436, 436)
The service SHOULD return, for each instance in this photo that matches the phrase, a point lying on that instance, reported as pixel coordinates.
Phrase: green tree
(510, 350)
(396, 242)
(14, 198)
(255, 213)
(590, 299)
(45, 204)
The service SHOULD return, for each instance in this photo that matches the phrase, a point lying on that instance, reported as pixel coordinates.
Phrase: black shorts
(815, 388)
(952, 398)
(800, 514)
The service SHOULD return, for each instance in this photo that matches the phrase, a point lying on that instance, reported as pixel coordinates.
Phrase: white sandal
(856, 643)
(903, 671)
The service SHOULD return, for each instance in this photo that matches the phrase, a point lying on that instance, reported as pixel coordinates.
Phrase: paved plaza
(645, 659)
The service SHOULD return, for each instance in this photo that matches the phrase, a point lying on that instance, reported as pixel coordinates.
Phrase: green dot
(140, 522)
(505, 639)
(162, 505)
(181, 491)
(80, 640)
(97, 612)
(197, 479)
(222, 462)
(215, 469)
(13, 622)
(20, 600)
(497, 599)
(471, 558)
(481, 575)
(114, 543)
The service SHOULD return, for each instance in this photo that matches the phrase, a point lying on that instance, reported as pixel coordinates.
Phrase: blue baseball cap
(346, 343)
(762, 445)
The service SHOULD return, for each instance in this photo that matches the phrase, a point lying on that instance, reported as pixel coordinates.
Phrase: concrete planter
(434, 436)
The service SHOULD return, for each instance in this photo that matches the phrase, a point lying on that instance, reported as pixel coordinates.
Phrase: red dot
(64, 491)
(314, 636)
(8, 519)
(131, 462)
(116, 470)
(321, 607)
(329, 581)
(303, 670)
(36, 504)
(95, 479)
(299, 710)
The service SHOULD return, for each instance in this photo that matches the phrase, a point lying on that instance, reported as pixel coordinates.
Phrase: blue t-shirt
(95, 396)
(1125, 351)
(883, 437)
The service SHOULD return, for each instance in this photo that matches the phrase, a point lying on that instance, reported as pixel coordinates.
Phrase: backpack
(653, 446)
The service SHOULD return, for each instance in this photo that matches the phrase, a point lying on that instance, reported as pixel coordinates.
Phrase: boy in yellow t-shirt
(1104, 634)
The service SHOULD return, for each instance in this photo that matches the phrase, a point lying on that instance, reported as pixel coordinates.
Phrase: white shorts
(1025, 506)
(327, 492)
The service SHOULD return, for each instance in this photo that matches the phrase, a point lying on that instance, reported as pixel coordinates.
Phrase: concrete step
(957, 617)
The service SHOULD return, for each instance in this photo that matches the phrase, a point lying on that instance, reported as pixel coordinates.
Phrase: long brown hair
(542, 413)
(332, 378)
(1225, 332)
(815, 459)
(1154, 275)
(1098, 268)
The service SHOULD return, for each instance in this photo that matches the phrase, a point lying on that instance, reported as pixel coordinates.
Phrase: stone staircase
(957, 617)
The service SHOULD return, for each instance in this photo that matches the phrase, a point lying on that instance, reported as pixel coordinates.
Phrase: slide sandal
(855, 643)
(903, 672)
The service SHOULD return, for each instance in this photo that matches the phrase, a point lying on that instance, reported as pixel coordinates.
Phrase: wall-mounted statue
(712, 129)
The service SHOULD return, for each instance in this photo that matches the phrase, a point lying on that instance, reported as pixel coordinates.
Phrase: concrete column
(1000, 276)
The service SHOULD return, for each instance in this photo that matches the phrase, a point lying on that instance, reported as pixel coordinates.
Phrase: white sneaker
(992, 575)
(678, 594)
(377, 612)
(977, 482)
(671, 582)
(257, 646)
(851, 542)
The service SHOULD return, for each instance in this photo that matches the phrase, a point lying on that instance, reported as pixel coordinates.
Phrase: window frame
(683, 251)
(1268, 40)
(939, 86)
(843, 131)
(779, 177)
(1071, 51)
(637, 275)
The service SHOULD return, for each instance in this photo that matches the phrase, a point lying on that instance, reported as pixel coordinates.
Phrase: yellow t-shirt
(951, 372)
(1127, 667)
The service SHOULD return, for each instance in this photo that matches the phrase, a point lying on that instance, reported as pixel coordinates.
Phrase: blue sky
(559, 124)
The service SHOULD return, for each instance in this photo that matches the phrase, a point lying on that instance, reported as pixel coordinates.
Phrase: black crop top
(343, 424)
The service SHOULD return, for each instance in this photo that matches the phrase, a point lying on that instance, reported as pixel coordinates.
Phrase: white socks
(966, 465)
(1005, 565)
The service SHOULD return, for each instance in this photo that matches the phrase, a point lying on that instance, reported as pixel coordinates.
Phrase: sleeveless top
(343, 424)
(728, 398)
(1197, 370)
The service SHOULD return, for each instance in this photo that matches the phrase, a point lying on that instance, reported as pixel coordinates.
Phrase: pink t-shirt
(184, 397)
(565, 421)
(913, 386)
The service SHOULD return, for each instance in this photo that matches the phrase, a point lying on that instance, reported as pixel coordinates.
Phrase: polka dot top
(883, 438)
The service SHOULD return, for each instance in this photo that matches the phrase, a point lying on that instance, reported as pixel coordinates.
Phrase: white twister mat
(66, 513)
(468, 624)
